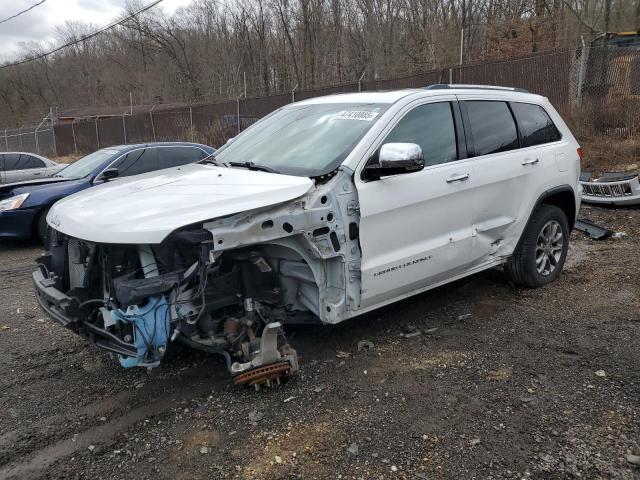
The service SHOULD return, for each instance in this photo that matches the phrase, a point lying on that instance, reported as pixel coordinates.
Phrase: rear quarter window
(492, 126)
(536, 127)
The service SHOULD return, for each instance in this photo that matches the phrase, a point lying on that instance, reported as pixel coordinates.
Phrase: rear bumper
(17, 223)
(67, 312)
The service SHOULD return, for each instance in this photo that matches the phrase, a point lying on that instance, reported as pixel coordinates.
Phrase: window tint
(26, 162)
(536, 127)
(37, 163)
(137, 162)
(176, 156)
(11, 161)
(492, 126)
(430, 126)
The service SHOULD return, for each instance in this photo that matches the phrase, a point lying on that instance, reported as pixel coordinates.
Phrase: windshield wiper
(212, 161)
(254, 166)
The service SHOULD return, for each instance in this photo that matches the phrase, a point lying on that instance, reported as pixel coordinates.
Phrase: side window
(11, 161)
(432, 127)
(2, 162)
(26, 162)
(536, 127)
(492, 126)
(37, 163)
(137, 162)
(176, 156)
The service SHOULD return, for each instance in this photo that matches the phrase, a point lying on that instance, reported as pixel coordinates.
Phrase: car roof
(392, 96)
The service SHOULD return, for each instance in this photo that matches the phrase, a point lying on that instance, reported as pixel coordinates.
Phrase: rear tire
(540, 255)
(42, 227)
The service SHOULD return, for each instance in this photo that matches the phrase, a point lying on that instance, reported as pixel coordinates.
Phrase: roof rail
(445, 86)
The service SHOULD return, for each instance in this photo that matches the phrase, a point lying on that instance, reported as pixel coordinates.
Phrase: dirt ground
(499, 383)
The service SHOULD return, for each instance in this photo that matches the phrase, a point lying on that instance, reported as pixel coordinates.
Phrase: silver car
(20, 166)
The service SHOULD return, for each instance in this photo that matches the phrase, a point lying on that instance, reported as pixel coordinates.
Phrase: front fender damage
(227, 286)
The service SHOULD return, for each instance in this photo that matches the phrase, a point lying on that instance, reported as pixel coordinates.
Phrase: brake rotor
(264, 375)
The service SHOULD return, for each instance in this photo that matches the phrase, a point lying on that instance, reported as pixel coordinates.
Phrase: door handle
(460, 177)
(530, 161)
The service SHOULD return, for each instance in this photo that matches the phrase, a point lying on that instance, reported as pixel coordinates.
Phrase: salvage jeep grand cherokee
(322, 211)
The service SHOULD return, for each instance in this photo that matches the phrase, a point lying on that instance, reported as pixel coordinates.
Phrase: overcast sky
(39, 24)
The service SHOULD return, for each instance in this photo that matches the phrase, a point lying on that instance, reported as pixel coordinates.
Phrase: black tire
(42, 227)
(538, 260)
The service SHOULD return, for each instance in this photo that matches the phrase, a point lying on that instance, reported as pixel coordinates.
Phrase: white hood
(146, 208)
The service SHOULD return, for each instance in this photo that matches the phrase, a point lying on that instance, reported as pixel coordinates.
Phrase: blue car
(24, 205)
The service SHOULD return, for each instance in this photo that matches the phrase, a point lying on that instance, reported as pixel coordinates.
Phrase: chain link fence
(40, 140)
(597, 88)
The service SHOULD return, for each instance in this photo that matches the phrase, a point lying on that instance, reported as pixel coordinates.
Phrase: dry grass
(66, 158)
(609, 135)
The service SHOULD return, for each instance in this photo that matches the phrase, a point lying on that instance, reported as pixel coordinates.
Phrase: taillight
(580, 153)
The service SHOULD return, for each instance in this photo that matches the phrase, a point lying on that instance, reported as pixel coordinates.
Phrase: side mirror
(109, 174)
(394, 159)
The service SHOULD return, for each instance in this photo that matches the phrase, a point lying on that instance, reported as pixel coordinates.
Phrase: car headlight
(13, 202)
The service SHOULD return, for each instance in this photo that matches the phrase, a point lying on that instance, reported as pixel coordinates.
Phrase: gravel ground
(477, 379)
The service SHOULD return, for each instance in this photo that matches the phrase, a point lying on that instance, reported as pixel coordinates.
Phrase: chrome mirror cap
(401, 155)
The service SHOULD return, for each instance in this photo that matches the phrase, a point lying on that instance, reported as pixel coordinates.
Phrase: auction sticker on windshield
(357, 115)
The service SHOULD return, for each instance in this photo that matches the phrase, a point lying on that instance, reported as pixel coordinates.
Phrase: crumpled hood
(146, 208)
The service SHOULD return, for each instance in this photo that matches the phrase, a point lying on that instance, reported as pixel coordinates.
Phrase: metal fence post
(124, 130)
(360, 81)
(35, 136)
(191, 121)
(153, 127)
(293, 93)
(582, 71)
(238, 112)
(6, 141)
(450, 75)
(20, 135)
(97, 134)
(53, 132)
(73, 134)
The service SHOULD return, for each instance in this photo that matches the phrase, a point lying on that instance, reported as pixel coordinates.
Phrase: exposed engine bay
(225, 286)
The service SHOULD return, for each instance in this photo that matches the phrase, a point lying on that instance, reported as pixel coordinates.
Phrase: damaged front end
(226, 284)
(134, 300)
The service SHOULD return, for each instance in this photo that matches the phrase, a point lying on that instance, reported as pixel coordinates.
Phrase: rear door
(416, 228)
(507, 176)
(37, 168)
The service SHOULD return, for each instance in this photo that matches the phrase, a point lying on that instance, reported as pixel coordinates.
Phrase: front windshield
(86, 165)
(304, 140)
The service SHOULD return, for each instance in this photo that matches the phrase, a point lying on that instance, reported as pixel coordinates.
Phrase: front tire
(42, 227)
(540, 255)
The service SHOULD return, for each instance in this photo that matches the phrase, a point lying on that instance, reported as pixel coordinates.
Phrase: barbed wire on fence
(603, 80)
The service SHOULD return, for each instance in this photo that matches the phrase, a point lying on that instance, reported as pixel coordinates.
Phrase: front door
(416, 228)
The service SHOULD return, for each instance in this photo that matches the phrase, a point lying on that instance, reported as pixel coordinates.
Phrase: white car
(20, 166)
(322, 211)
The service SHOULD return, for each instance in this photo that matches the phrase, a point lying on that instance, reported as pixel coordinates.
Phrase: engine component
(151, 326)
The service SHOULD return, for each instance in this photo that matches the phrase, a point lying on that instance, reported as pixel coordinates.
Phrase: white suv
(322, 211)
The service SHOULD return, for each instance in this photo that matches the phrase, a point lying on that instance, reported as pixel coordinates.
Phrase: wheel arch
(562, 197)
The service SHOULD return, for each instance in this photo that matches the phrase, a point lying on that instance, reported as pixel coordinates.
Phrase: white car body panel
(146, 208)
